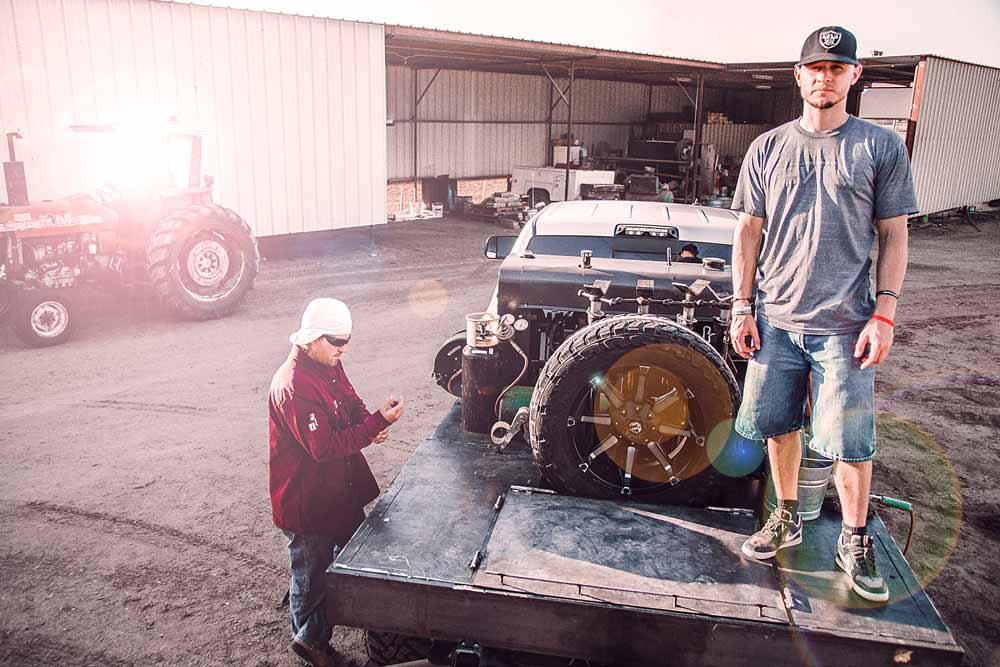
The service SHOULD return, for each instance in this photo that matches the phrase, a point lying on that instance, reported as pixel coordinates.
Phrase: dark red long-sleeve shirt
(318, 426)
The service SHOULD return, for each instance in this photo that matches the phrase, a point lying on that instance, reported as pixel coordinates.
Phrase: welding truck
(585, 499)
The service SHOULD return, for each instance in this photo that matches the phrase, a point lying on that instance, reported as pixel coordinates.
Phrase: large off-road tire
(43, 317)
(616, 386)
(202, 262)
(388, 648)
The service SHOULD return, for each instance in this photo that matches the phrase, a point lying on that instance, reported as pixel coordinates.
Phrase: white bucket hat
(322, 317)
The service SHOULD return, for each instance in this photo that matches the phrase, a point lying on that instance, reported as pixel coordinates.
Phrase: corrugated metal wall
(732, 140)
(957, 136)
(598, 102)
(293, 107)
(475, 141)
(488, 146)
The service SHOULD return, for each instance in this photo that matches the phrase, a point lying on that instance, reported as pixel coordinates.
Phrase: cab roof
(602, 217)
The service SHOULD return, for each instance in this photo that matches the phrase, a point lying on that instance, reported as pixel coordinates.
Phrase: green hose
(898, 504)
(893, 502)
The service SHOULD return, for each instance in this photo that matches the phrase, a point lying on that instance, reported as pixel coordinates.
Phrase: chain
(643, 301)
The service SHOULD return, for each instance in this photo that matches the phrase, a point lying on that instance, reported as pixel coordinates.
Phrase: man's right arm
(746, 246)
(309, 423)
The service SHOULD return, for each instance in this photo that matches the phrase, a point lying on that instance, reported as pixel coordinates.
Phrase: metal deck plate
(668, 558)
(439, 509)
(820, 597)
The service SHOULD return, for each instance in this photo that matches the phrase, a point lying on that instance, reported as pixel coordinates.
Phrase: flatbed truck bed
(464, 547)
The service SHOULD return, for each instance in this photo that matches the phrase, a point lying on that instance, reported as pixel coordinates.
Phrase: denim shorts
(843, 395)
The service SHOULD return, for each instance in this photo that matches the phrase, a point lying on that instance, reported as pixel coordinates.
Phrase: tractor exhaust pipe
(13, 175)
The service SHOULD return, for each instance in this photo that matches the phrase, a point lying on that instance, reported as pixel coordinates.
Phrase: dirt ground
(133, 502)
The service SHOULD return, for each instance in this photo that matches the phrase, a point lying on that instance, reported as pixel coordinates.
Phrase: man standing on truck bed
(320, 481)
(817, 190)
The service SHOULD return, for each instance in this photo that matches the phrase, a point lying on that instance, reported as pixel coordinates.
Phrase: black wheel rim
(638, 427)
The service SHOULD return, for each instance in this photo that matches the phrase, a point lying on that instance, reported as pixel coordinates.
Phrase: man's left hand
(380, 437)
(877, 337)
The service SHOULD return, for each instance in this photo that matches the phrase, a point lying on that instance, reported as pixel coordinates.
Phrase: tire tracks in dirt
(29, 409)
(27, 648)
(150, 407)
(128, 527)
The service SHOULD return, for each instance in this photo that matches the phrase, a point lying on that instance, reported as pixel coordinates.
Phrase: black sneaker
(781, 530)
(856, 557)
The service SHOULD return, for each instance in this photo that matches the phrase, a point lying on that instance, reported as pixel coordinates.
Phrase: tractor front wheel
(43, 317)
(202, 262)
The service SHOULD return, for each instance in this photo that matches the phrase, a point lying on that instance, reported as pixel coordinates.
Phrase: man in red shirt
(319, 479)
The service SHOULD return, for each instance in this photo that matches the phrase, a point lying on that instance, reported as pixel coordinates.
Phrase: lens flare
(428, 299)
(732, 454)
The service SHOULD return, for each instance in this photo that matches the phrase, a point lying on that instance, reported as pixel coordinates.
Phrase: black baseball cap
(830, 43)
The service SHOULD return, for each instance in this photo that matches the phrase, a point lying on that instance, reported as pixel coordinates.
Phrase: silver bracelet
(743, 310)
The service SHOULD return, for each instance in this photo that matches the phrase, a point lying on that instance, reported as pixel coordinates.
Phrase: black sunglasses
(336, 342)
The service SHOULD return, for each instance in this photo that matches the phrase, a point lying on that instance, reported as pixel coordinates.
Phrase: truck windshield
(625, 248)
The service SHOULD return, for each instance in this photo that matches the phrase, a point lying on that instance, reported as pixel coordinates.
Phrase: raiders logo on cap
(829, 39)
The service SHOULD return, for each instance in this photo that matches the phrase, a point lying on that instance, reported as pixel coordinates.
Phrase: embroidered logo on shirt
(313, 424)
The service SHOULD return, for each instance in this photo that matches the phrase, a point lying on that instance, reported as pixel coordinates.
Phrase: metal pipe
(445, 121)
(699, 111)
(548, 126)
(426, 88)
(569, 128)
(683, 90)
(561, 92)
(416, 101)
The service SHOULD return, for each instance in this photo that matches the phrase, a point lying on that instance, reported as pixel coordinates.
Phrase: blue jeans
(843, 395)
(310, 556)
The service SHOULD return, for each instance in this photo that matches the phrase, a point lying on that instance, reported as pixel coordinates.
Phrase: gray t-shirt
(821, 194)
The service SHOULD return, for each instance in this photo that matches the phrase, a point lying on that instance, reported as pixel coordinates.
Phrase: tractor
(199, 259)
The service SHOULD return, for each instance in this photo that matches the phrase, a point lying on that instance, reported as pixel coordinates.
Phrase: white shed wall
(293, 107)
(957, 136)
(886, 103)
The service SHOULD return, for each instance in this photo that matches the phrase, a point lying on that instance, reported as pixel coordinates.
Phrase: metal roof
(879, 69)
(426, 48)
(443, 49)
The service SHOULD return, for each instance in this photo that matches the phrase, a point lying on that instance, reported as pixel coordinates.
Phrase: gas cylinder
(482, 379)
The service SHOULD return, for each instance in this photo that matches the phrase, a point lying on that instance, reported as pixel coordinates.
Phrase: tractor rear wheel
(634, 406)
(43, 317)
(202, 261)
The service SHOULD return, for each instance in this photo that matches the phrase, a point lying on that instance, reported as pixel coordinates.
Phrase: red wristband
(879, 318)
